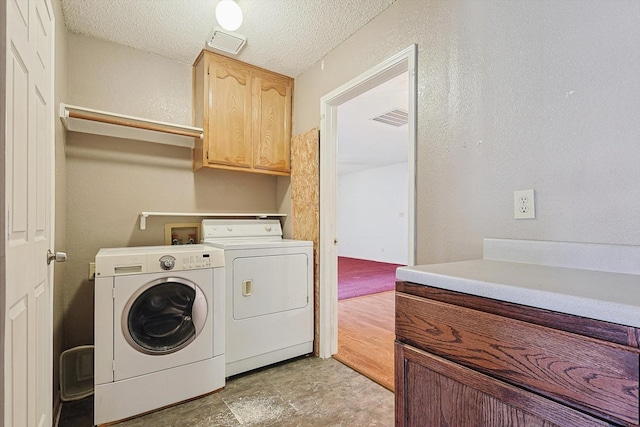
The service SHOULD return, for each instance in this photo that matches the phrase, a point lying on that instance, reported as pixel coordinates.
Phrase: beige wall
(284, 204)
(511, 95)
(60, 95)
(110, 180)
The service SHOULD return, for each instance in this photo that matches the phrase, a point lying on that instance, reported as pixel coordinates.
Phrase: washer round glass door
(164, 316)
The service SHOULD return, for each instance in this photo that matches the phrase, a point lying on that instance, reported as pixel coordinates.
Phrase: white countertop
(609, 296)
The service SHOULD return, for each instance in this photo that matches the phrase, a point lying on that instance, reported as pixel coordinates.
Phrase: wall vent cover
(226, 41)
(396, 117)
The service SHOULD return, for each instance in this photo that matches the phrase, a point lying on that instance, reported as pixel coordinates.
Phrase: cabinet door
(431, 391)
(272, 123)
(228, 130)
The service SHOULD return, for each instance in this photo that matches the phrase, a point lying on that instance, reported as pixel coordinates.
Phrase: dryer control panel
(156, 259)
(214, 229)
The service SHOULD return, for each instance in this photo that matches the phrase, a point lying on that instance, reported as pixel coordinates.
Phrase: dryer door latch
(247, 288)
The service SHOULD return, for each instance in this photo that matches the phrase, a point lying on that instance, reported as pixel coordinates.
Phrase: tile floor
(304, 392)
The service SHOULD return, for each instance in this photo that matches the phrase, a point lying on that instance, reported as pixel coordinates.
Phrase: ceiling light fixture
(229, 15)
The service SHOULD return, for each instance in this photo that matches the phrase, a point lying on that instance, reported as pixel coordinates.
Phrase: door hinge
(113, 293)
(207, 155)
(113, 365)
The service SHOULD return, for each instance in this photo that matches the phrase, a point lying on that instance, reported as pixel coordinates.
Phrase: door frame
(3, 78)
(403, 61)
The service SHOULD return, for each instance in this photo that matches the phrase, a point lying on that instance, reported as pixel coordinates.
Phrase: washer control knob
(267, 227)
(167, 262)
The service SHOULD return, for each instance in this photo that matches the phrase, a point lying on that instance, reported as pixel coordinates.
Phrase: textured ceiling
(286, 36)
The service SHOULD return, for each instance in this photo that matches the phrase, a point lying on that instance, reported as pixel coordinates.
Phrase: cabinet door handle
(247, 288)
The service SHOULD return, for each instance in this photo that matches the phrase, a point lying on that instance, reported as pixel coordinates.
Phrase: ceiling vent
(395, 117)
(226, 41)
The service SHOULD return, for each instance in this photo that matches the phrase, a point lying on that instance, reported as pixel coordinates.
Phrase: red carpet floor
(357, 277)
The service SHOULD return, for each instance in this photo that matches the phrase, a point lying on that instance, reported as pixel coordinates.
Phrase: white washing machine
(268, 295)
(159, 327)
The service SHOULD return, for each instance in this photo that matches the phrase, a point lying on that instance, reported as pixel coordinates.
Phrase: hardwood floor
(365, 336)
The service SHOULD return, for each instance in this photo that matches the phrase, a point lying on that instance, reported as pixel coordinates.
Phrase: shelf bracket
(143, 221)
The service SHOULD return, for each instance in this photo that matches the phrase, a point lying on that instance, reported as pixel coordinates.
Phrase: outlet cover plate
(524, 204)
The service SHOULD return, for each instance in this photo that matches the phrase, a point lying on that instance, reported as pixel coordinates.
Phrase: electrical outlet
(523, 204)
(92, 271)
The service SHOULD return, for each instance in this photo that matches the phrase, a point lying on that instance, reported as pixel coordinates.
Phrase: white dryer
(268, 295)
(159, 327)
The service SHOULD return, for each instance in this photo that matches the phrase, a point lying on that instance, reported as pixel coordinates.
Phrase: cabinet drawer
(588, 374)
(431, 391)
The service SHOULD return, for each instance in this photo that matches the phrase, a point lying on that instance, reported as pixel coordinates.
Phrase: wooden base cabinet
(432, 391)
(245, 113)
(469, 361)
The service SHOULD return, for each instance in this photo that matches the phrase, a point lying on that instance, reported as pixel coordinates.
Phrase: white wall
(512, 95)
(372, 214)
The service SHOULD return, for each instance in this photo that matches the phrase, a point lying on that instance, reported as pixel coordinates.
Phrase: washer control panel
(167, 262)
(196, 261)
(156, 259)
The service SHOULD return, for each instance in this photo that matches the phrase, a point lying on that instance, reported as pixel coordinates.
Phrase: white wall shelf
(145, 215)
(86, 120)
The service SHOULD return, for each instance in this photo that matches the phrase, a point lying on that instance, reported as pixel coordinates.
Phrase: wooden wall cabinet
(245, 113)
(468, 361)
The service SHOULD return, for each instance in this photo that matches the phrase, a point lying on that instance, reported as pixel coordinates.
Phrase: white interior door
(29, 211)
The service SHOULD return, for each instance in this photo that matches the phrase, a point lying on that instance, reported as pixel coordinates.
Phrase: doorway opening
(402, 63)
(372, 224)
